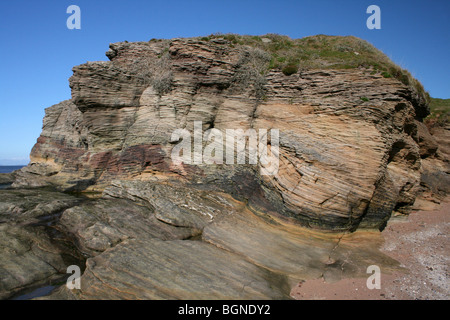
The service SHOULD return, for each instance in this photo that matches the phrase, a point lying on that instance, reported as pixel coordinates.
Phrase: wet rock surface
(34, 252)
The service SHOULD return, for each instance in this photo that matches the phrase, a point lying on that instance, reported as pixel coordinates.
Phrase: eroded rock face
(349, 151)
(351, 145)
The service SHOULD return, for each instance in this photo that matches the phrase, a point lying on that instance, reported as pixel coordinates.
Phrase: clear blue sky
(37, 51)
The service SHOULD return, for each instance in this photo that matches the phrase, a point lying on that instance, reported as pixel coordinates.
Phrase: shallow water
(69, 253)
(39, 292)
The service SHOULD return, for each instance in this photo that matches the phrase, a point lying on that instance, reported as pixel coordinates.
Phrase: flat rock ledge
(139, 245)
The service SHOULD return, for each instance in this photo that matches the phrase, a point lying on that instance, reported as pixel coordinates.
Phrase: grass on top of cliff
(439, 112)
(324, 52)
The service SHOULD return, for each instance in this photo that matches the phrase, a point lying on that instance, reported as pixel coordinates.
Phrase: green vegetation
(324, 52)
(290, 69)
(154, 72)
(251, 70)
(365, 99)
(439, 112)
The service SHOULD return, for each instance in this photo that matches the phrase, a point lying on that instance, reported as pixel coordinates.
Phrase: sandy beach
(420, 243)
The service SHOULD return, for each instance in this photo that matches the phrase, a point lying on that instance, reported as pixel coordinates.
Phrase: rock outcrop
(33, 251)
(350, 149)
(349, 145)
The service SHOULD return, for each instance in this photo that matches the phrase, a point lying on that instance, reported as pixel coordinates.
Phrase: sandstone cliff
(102, 191)
(349, 142)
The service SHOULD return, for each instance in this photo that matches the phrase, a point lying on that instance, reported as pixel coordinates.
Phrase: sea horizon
(11, 168)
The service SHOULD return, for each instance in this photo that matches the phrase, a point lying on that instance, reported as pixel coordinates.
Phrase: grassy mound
(325, 52)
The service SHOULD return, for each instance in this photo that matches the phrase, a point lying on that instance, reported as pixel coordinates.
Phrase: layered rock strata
(102, 191)
(349, 149)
